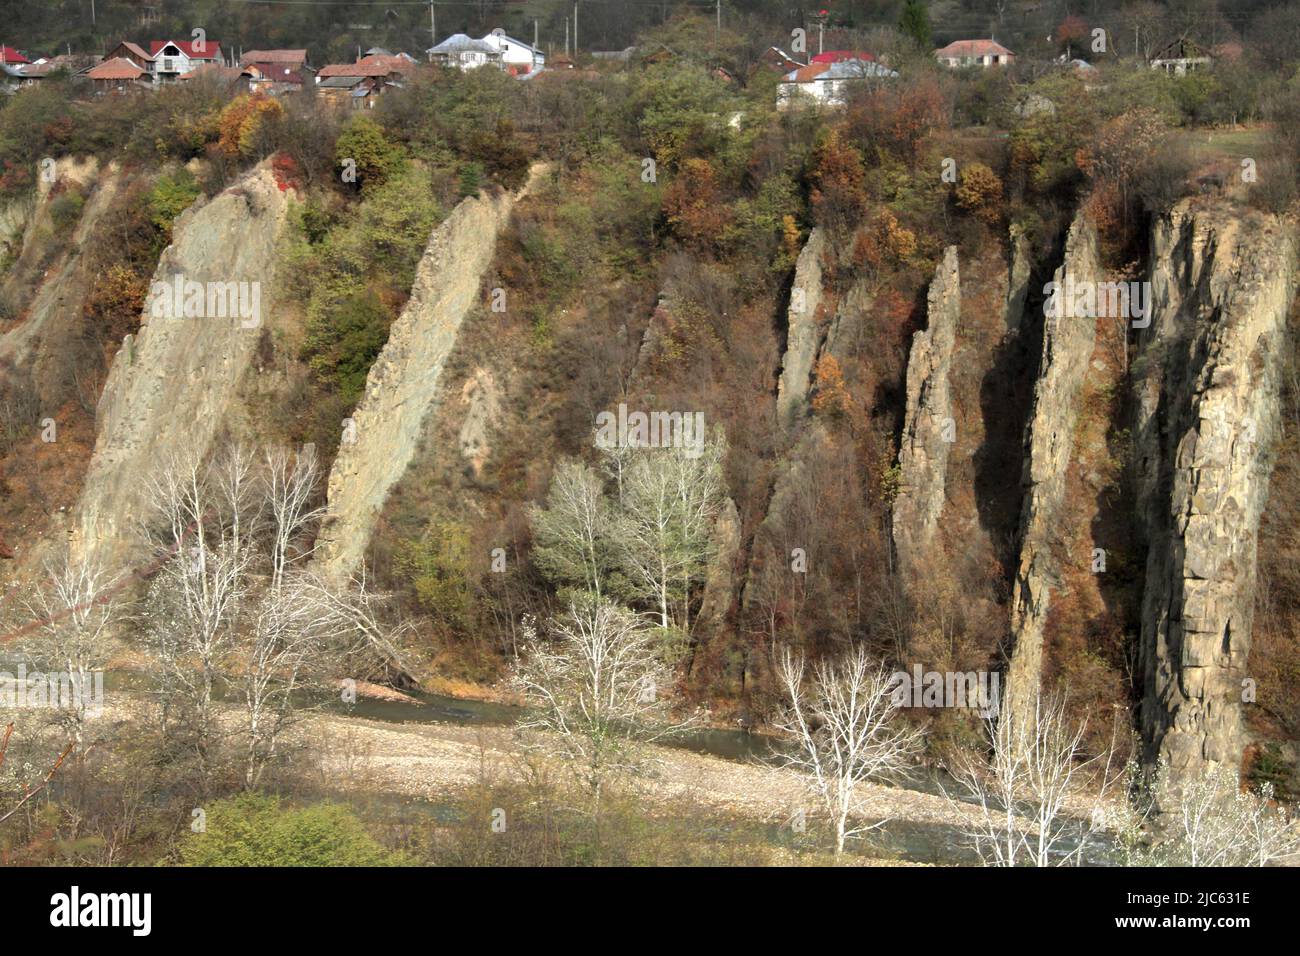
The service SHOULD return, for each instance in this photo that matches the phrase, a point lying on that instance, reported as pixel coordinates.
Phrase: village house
(517, 57)
(1180, 57)
(981, 53)
(11, 57)
(356, 85)
(275, 79)
(277, 71)
(826, 84)
(71, 63)
(11, 78)
(174, 58)
(465, 53)
(118, 75)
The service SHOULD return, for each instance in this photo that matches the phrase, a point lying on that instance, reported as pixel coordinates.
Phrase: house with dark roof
(356, 85)
(277, 78)
(71, 63)
(981, 53)
(464, 53)
(1181, 56)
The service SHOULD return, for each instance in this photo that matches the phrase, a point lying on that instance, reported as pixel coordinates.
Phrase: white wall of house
(514, 53)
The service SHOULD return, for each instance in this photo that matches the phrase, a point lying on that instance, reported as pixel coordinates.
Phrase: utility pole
(717, 30)
(566, 36)
(433, 25)
(575, 29)
(534, 43)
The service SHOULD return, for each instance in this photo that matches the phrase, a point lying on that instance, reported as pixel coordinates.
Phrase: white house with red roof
(828, 84)
(981, 53)
(175, 58)
(11, 57)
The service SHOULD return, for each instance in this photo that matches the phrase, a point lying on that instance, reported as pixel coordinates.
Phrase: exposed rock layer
(1049, 441)
(1208, 404)
(172, 386)
(802, 333)
(404, 384)
(928, 428)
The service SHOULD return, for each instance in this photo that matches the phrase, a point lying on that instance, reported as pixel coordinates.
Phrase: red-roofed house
(982, 53)
(12, 57)
(174, 58)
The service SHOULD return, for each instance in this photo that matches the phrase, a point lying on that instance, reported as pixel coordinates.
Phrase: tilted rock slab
(404, 384)
(53, 320)
(923, 451)
(1049, 442)
(802, 333)
(173, 385)
(1208, 412)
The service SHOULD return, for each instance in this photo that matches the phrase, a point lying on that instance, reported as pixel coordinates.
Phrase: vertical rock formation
(52, 324)
(173, 385)
(923, 451)
(720, 581)
(1049, 441)
(1208, 385)
(802, 333)
(404, 384)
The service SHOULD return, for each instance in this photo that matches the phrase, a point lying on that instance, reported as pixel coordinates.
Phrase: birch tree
(662, 533)
(843, 719)
(572, 531)
(74, 609)
(597, 688)
(1039, 796)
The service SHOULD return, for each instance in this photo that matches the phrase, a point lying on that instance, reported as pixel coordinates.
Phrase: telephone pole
(433, 25)
(575, 29)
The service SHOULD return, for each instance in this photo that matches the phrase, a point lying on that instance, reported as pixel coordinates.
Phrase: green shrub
(252, 830)
(65, 210)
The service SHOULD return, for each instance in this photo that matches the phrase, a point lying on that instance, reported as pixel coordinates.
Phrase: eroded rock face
(928, 427)
(1208, 387)
(803, 336)
(720, 582)
(1049, 441)
(53, 316)
(405, 383)
(173, 386)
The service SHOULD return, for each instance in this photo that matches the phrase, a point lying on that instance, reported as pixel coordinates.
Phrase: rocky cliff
(173, 385)
(404, 386)
(928, 426)
(38, 347)
(1207, 406)
(1049, 441)
(803, 333)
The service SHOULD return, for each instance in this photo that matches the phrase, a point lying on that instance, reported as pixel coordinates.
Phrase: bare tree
(571, 531)
(73, 611)
(1040, 797)
(1211, 821)
(662, 533)
(846, 731)
(598, 691)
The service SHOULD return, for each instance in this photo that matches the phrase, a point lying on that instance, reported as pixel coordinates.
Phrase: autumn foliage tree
(979, 192)
(695, 207)
(838, 180)
(894, 120)
(240, 122)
